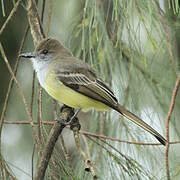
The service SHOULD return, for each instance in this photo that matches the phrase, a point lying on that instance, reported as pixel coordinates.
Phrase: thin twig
(78, 145)
(27, 122)
(102, 124)
(42, 12)
(39, 118)
(5, 170)
(176, 87)
(65, 151)
(34, 22)
(49, 17)
(75, 127)
(13, 11)
(100, 136)
(54, 109)
(32, 161)
(16, 81)
(87, 146)
(32, 94)
(11, 82)
(90, 164)
(118, 140)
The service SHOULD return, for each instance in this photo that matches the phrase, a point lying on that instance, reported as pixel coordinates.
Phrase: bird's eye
(45, 51)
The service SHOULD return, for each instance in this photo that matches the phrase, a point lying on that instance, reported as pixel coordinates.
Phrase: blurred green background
(134, 46)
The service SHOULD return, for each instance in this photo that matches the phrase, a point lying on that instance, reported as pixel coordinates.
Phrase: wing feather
(93, 88)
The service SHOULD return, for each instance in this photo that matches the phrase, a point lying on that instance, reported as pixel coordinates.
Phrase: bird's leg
(73, 121)
(63, 109)
(73, 117)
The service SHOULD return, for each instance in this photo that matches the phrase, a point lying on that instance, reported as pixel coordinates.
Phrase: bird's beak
(28, 55)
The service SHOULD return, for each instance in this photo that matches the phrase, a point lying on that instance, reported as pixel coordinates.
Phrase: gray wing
(81, 78)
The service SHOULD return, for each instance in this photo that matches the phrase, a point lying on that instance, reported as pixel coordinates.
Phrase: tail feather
(140, 123)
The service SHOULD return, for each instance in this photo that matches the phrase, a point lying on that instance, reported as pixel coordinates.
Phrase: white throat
(41, 68)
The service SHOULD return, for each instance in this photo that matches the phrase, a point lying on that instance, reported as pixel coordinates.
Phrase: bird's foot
(73, 121)
(73, 117)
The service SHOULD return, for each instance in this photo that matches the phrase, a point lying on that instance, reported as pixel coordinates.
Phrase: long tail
(140, 123)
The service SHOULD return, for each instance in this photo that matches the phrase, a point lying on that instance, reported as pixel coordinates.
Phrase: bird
(74, 83)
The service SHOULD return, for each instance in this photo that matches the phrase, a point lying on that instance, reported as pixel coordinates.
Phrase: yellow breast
(69, 97)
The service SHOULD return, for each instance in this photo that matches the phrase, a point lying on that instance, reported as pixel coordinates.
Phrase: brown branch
(53, 137)
(49, 147)
(176, 87)
(34, 22)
